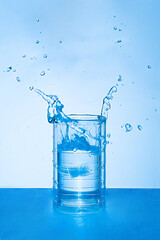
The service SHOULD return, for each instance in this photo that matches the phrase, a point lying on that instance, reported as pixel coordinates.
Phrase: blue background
(82, 69)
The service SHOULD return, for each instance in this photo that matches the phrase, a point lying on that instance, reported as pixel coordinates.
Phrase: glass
(79, 162)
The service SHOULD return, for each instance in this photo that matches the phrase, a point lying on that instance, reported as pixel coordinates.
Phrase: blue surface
(128, 214)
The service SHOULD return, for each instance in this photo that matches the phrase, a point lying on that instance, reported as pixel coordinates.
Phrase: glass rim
(87, 117)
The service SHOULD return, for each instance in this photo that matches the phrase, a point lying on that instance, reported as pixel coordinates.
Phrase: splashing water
(128, 127)
(106, 102)
(79, 139)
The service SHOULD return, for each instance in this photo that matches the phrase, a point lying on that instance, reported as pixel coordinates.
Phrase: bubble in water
(24, 56)
(128, 127)
(115, 28)
(119, 78)
(9, 69)
(108, 135)
(37, 42)
(18, 79)
(60, 41)
(118, 41)
(31, 88)
(139, 127)
(42, 73)
(149, 66)
(37, 20)
(45, 55)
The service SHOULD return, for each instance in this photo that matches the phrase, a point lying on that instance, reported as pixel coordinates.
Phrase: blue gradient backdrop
(82, 69)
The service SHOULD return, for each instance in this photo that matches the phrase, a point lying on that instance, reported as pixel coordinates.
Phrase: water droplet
(128, 127)
(120, 30)
(118, 41)
(24, 56)
(60, 41)
(132, 82)
(42, 73)
(120, 78)
(147, 119)
(114, 16)
(9, 69)
(40, 32)
(45, 55)
(149, 66)
(18, 79)
(37, 42)
(14, 70)
(106, 142)
(31, 88)
(115, 28)
(155, 110)
(139, 127)
(108, 135)
(117, 84)
(37, 20)
(74, 150)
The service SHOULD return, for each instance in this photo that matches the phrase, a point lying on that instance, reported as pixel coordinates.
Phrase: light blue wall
(82, 69)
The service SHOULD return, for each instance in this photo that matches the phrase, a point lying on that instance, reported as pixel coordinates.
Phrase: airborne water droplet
(118, 41)
(128, 127)
(31, 88)
(24, 56)
(60, 41)
(9, 69)
(18, 79)
(108, 135)
(115, 28)
(42, 73)
(149, 66)
(37, 42)
(14, 70)
(45, 55)
(139, 127)
(37, 20)
(120, 78)
(120, 30)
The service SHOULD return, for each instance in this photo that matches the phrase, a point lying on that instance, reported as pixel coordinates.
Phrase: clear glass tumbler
(79, 161)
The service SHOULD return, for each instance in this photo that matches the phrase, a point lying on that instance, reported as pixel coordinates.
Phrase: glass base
(79, 202)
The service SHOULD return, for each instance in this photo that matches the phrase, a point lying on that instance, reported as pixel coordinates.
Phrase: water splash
(42, 73)
(106, 102)
(128, 127)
